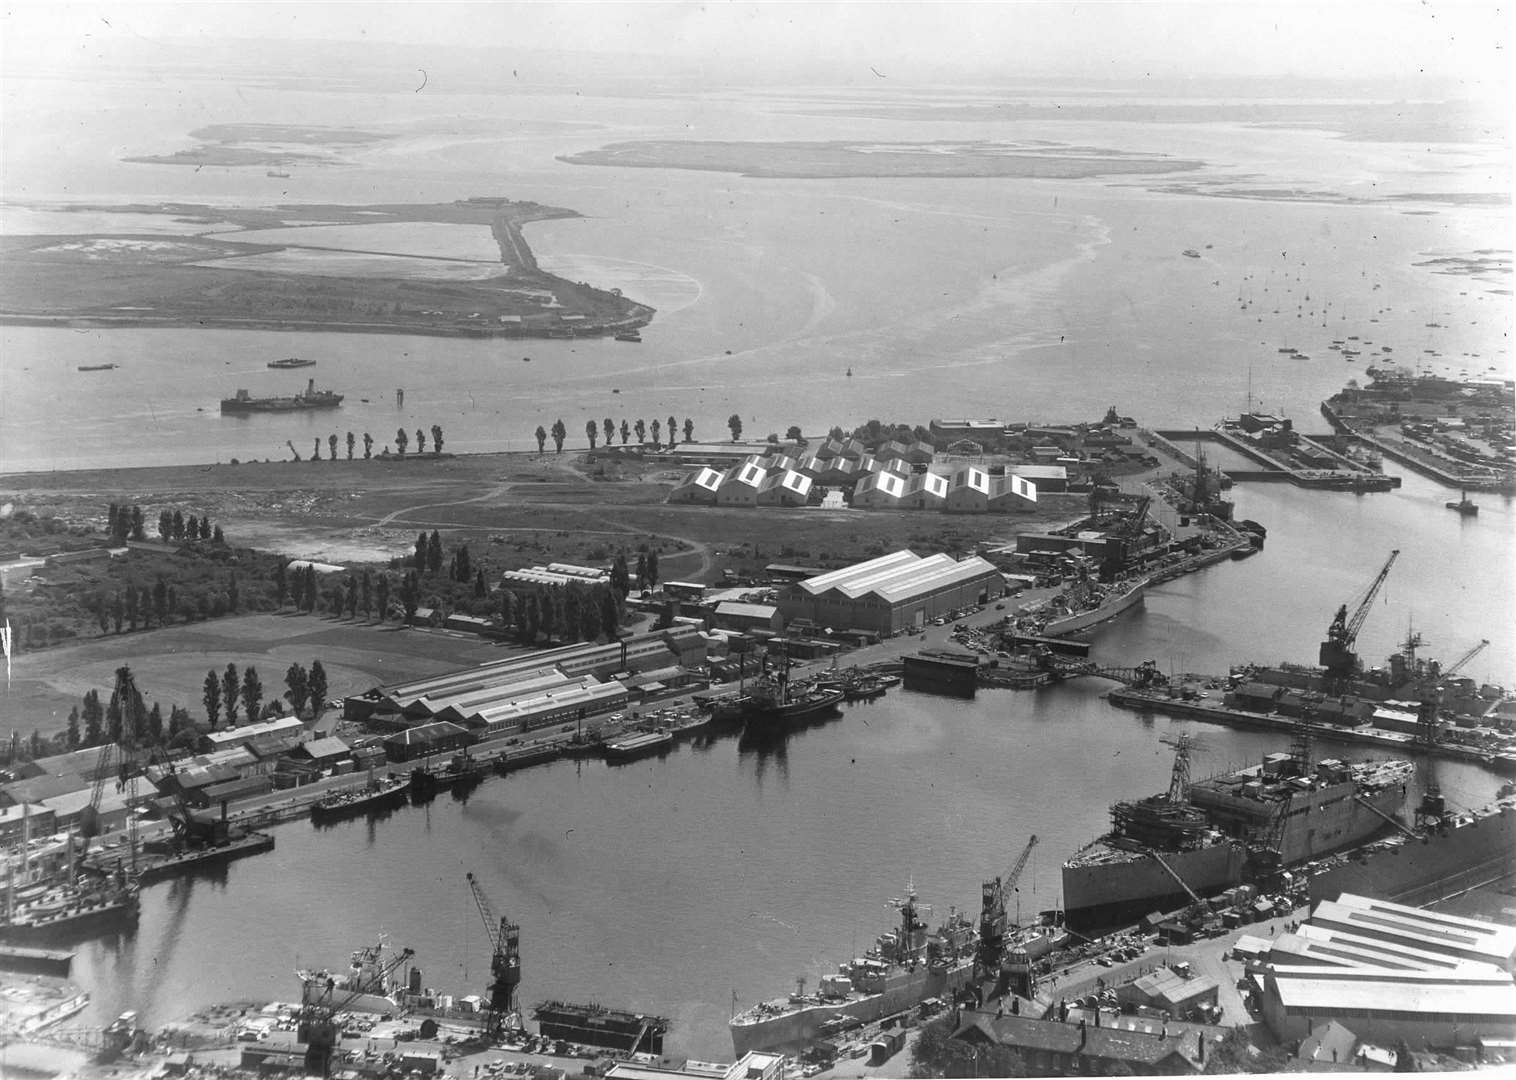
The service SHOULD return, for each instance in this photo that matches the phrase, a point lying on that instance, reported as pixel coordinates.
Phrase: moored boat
(312, 398)
(898, 972)
(375, 795)
(291, 362)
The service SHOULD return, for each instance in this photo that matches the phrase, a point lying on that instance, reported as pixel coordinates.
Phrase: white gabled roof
(888, 483)
(898, 576)
(704, 477)
(932, 483)
(748, 474)
(971, 477)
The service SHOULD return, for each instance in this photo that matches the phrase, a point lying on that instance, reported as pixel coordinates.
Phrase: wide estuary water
(671, 885)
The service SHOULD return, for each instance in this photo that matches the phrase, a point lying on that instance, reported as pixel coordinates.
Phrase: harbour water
(672, 884)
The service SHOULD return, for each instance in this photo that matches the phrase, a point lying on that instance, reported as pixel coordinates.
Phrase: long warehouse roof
(899, 576)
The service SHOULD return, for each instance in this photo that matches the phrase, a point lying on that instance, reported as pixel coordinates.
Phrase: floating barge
(595, 1025)
(630, 747)
(942, 673)
(151, 870)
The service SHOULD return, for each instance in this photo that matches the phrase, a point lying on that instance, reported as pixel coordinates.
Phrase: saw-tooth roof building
(926, 491)
(698, 486)
(968, 491)
(740, 486)
(786, 488)
(892, 593)
(880, 491)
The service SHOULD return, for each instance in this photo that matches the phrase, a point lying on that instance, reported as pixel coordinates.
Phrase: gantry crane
(1337, 655)
(505, 964)
(992, 916)
(320, 1002)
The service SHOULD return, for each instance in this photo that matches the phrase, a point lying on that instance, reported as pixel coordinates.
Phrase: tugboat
(1465, 506)
(98, 367)
(291, 362)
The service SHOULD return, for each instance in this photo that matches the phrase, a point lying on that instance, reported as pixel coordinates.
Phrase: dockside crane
(992, 916)
(1337, 655)
(320, 1002)
(505, 964)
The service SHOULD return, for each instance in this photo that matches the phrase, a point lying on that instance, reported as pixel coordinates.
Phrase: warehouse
(968, 491)
(740, 486)
(892, 593)
(880, 491)
(784, 488)
(1397, 924)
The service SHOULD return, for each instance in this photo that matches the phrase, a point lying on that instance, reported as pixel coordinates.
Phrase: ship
(98, 367)
(310, 399)
(1465, 506)
(64, 910)
(778, 706)
(363, 987)
(1095, 604)
(375, 795)
(629, 335)
(1190, 253)
(900, 970)
(1202, 838)
(460, 772)
(291, 362)
(277, 175)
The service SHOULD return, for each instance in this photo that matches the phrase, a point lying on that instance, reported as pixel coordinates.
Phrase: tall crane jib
(505, 964)
(992, 919)
(1337, 655)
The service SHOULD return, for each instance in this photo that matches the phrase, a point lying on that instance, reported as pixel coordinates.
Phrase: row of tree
(124, 522)
(592, 431)
(139, 604)
(101, 721)
(173, 525)
(223, 694)
(402, 442)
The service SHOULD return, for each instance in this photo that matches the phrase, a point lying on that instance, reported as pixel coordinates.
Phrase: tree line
(593, 431)
(402, 442)
(224, 693)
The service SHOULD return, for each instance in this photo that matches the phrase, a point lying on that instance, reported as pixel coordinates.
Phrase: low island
(238, 273)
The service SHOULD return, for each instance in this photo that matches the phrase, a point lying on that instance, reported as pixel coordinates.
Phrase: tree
(352, 596)
(610, 430)
(641, 570)
(318, 689)
(626, 432)
(192, 529)
(481, 587)
(331, 442)
(434, 552)
(401, 440)
(382, 589)
(351, 442)
(541, 434)
(366, 592)
(118, 611)
(420, 559)
(610, 615)
(94, 718)
(560, 432)
(592, 432)
(138, 532)
(165, 526)
(436, 438)
(621, 580)
(310, 587)
(71, 732)
(316, 452)
(218, 537)
(652, 569)
(212, 697)
(297, 687)
(657, 427)
(792, 433)
(420, 441)
(410, 594)
(176, 529)
(463, 567)
(160, 601)
(205, 526)
(368, 446)
(735, 423)
(233, 595)
(155, 724)
(252, 693)
(231, 689)
(102, 606)
(689, 430)
(640, 427)
(131, 607)
(673, 433)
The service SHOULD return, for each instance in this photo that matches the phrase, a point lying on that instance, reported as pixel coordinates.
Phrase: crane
(1337, 655)
(319, 1005)
(992, 916)
(505, 963)
(1459, 664)
(126, 702)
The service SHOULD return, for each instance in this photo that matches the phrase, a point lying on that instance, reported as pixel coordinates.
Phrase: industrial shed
(892, 593)
(968, 492)
(784, 488)
(439, 737)
(880, 491)
(698, 486)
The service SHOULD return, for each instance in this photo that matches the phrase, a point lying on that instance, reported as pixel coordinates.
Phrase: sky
(1464, 43)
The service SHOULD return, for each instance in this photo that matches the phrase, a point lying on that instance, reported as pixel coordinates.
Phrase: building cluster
(1363, 976)
(582, 683)
(896, 476)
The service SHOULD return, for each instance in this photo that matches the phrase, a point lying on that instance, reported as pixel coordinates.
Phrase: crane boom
(505, 963)
(1015, 872)
(1337, 655)
(992, 917)
(1459, 664)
